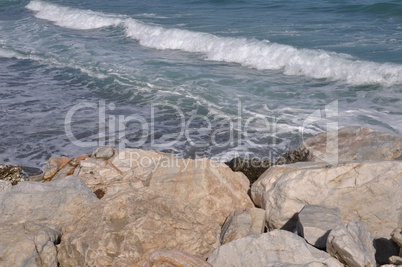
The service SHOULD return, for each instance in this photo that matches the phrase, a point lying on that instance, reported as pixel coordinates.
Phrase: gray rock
(55, 202)
(249, 222)
(105, 152)
(397, 236)
(352, 244)
(275, 249)
(315, 222)
(28, 244)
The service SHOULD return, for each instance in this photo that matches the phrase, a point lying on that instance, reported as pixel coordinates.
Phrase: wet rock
(274, 249)
(28, 244)
(175, 258)
(315, 222)
(126, 227)
(352, 244)
(249, 222)
(13, 174)
(298, 155)
(252, 168)
(367, 191)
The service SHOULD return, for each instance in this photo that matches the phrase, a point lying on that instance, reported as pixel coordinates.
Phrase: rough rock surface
(397, 236)
(368, 191)
(125, 228)
(353, 143)
(352, 244)
(57, 202)
(13, 174)
(28, 244)
(175, 258)
(212, 187)
(53, 166)
(315, 222)
(278, 248)
(249, 222)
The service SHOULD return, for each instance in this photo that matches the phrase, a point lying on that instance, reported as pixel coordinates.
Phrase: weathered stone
(397, 236)
(315, 222)
(252, 168)
(4, 186)
(105, 152)
(125, 228)
(53, 166)
(278, 248)
(395, 260)
(352, 244)
(368, 191)
(175, 258)
(13, 174)
(28, 244)
(210, 186)
(353, 143)
(56, 202)
(249, 222)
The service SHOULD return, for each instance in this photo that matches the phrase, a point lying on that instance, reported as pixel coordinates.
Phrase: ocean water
(210, 78)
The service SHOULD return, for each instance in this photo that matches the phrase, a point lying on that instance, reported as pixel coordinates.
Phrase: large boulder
(28, 244)
(315, 222)
(367, 191)
(352, 244)
(57, 202)
(211, 187)
(353, 143)
(274, 249)
(126, 227)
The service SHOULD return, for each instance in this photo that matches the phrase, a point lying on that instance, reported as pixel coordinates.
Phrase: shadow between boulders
(385, 248)
(290, 225)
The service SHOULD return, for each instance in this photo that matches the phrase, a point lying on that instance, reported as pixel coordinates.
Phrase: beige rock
(353, 143)
(56, 202)
(175, 258)
(105, 152)
(369, 191)
(242, 224)
(397, 236)
(315, 222)
(352, 244)
(210, 186)
(125, 228)
(395, 260)
(28, 244)
(275, 249)
(53, 166)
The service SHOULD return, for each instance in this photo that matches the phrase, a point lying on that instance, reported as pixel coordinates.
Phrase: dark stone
(13, 174)
(385, 248)
(298, 155)
(99, 193)
(252, 168)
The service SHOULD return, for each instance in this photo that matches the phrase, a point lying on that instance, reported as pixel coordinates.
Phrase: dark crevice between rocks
(254, 168)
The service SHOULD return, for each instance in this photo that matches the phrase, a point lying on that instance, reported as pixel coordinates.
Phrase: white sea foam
(256, 54)
(7, 53)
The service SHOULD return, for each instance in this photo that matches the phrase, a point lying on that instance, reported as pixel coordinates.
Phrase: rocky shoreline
(335, 201)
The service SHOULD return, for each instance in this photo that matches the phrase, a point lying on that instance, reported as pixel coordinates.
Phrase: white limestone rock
(315, 222)
(352, 244)
(278, 248)
(367, 191)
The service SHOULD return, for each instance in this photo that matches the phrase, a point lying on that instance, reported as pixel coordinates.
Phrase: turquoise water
(196, 78)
